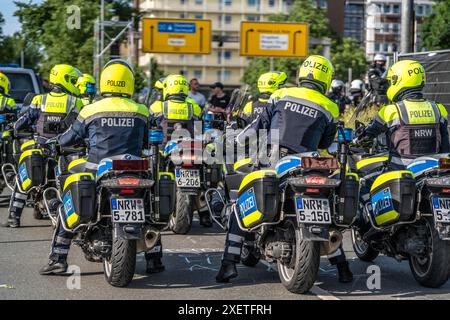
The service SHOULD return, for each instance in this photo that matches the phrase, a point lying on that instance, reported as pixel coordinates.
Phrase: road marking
(319, 292)
(6, 286)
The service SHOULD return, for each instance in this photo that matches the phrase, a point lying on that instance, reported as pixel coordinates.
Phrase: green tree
(347, 54)
(435, 29)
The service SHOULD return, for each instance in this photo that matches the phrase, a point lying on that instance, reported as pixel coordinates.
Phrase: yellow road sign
(180, 36)
(274, 39)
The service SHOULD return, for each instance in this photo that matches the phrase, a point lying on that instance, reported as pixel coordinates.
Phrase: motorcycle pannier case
(258, 198)
(393, 198)
(79, 199)
(31, 169)
(348, 206)
(166, 195)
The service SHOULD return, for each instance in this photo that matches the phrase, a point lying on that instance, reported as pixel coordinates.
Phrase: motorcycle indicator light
(444, 163)
(130, 165)
(128, 181)
(319, 163)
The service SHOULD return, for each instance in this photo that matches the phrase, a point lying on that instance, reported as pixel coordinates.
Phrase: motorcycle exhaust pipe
(151, 238)
(333, 243)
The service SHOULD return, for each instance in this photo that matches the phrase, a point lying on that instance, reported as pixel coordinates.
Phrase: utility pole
(407, 31)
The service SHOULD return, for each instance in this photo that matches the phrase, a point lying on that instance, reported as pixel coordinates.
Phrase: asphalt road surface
(191, 264)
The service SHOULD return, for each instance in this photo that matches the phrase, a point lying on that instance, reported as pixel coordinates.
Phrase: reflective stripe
(64, 241)
(3, 105)
(20, 196)
(43, 101)
(60, 251)
(116, 114)
(18, 204)
(337, 253)
(166, 111)
(437, 113)
(235, 238)
(401, 108)
(234, 250)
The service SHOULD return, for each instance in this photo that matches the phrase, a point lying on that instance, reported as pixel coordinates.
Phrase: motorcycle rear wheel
(119, 268)
(181, 220)
(299, 276)
(432, 271)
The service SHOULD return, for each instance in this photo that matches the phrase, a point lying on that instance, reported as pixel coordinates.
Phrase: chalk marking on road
(201, 267)
(319, 292)
(6, 286)
(192, 240)
(193, 250)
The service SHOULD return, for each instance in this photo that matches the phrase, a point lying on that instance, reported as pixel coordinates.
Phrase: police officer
(414, 126)
(87, 87)
(377, 83)
(97, 122)
(307, 121)
(7, 104)
(337, 95)
(356, 92)
(268, 83)
(51, 114)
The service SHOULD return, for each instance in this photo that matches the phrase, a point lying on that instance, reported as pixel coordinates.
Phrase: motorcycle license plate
(313, 210)
(187, 178)
(127, 210)
(441, 209)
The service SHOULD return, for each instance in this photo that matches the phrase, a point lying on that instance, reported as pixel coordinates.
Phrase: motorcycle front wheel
(299, 275)
(432, 269)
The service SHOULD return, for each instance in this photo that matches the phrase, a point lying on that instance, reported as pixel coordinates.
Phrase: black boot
(155, 265)
(345, 275)
(12, 222)
(205, 220)
(54, 267)
(227, 272)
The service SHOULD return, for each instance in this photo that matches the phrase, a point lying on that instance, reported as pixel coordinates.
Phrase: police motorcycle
(110, 214)
(407, 214)
(31, 170)
(297, 211)
(185, 159)
(6, 145)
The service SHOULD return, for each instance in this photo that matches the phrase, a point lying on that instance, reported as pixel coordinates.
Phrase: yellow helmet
(117, 78)
(271, 81)
(86, 84)
(318, 70)
(404, 76)
(159, 84)
(65, 77)
(4, 84)
(175, 85)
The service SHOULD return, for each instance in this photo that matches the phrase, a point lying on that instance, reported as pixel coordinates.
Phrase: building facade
(383, 25)
(225, 63)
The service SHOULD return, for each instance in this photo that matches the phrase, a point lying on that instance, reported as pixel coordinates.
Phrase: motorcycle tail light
(446, 190)
(312, 190)
(130, 165)
(444, 163)
(128, 181)
(127, 191)
(315, 180)
(319, 163)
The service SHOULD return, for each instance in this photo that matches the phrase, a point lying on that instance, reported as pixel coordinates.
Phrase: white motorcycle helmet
(337, 85)
(357, 85)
